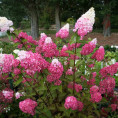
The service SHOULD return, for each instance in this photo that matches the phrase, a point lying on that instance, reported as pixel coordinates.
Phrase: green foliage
(71, 21)
(12, 10)
(108, 48)
(25, 24)
(7, 47)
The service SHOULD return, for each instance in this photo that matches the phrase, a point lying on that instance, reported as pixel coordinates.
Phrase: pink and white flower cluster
(69, 71)
(72, 46)
(8, 94)
(29, 39)
(99, 54)
(76, 86)
(18, 94)
(88, 48)
(39, 48)
(109, 70)
(92, 80)
(56, 70)
(107, 85)
(49, 48)
(114, 107)
(63, 32)
(28, 106)
(63, 52)
(85, 23)
(7, 63)
(95, 94)
(5, 24)
(73, 103)
(31, 62)
(25, 40)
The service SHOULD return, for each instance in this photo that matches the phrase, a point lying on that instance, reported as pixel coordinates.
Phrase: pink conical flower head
(63, 32)
(85, 23)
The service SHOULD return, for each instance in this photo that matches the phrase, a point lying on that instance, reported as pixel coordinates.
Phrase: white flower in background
(5, 24)
(113, 61)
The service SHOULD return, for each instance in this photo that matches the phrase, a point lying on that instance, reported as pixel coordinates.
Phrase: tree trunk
(57, 18)
(34, 24)
(106, 21)
(106, 26)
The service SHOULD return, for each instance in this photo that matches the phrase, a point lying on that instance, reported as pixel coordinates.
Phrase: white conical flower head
(55, 62)
(94, 41)
(48, 40)
(90, 14)
(66, 27)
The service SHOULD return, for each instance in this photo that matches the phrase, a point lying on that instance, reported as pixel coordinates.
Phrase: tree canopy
(43, 13)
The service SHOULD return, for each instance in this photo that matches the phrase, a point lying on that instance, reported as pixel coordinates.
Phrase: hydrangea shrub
(49, 80)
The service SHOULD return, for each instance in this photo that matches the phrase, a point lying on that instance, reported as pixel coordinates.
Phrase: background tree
(105, 8)
(15, 8)
(44, 14)
(32, 7)
(16, 14)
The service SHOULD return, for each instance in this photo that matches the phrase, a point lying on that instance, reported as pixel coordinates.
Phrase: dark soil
(112, 40)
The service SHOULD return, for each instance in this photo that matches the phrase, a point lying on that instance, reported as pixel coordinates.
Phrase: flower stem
(35, 91)
(74, 70)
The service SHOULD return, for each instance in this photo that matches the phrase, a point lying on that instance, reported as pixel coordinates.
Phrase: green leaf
(90, 116)
(97, 113)
(94, 105)
(59, 88)
(9, 78)
(73, 39)
(78, 52)
(70, 52)
(48, 113)
(82, 41)
(16, 83)
(82, 115)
